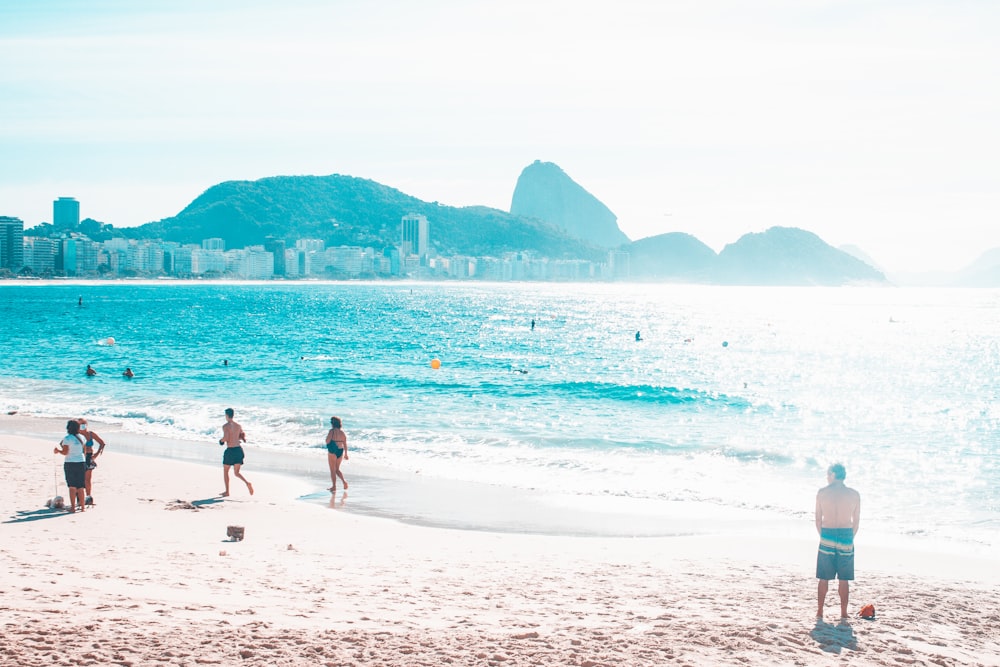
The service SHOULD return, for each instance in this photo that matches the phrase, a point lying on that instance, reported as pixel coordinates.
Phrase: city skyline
(70, 253)
(869, 124)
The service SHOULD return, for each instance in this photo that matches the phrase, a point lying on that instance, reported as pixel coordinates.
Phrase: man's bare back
(232, 434)
(837, 506)
(838, 512)
(233, 437)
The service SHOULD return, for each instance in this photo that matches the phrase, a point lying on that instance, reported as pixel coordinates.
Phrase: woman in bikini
(88, 450)
(336, 446)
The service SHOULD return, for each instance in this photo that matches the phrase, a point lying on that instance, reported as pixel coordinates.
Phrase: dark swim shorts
(835, 559)
(75, 474)
(232, 456)
(334, 449)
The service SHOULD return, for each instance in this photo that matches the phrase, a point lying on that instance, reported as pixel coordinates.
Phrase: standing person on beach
(838, 511)
(336, 447)
(233, 437)
(72, 448)
(88, 450)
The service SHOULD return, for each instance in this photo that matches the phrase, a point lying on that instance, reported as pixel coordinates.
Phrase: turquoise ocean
(725, 414)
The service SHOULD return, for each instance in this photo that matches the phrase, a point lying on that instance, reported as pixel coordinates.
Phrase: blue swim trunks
(835, 559)
(232, 456)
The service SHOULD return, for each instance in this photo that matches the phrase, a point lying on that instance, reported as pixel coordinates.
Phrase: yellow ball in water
(435, 364)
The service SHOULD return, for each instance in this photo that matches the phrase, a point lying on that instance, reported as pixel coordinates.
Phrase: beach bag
(867, 612)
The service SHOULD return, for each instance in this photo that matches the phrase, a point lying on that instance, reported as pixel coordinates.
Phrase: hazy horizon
(869, 124)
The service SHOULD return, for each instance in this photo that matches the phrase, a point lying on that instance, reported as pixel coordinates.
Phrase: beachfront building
(207, 261)
(570, 269)
(77, 256)
(11, 243)
(294, 263)
(618, 265)
(40, 255)
(415, 235)
(489, 268)
(250, 263)
(114, 255)
(350, 261)
(145, 258)
(277, 248)
(310, 245)
(524, 266)
(213, 244)
(460, 267)
(65, 214)
(313, 250)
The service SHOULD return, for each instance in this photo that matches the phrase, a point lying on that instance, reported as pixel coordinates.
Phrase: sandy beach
(149, 576)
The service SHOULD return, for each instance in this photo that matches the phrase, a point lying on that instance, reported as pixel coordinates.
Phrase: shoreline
(151, 571)
(426, 501)
(431, 502)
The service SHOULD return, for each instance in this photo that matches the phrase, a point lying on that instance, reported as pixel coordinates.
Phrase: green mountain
(673, 256)
(790, 256)
(344, 210)
(545, 192)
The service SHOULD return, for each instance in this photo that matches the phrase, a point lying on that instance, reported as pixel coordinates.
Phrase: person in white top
(75, 465)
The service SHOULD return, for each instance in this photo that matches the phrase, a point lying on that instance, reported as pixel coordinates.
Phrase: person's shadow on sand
(36, 515)
(834, 638)
(207, 501)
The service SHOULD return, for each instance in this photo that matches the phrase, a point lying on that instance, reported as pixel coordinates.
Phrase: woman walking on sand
(336, 446)
(75, 465)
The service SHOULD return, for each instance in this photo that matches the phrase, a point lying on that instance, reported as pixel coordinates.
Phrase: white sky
(870, 122)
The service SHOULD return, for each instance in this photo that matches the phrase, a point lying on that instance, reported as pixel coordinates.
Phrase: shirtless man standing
(233, 437)
(838, 510)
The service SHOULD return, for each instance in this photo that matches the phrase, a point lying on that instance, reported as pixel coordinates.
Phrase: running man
(838, 511)
(233, 437)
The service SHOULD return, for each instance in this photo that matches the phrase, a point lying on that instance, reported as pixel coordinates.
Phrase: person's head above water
(838, 471)
(335, 422)
(230, 413)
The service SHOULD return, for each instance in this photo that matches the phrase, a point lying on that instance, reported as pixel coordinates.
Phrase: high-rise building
(416, 235)
(277, 248)
(66, 213)
(11, 243)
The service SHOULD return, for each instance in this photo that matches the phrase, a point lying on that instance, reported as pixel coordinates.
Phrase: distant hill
(855, 251)
(545, 192)
(673, 256)
(344, 210)
(984, 272)
(790, 256)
